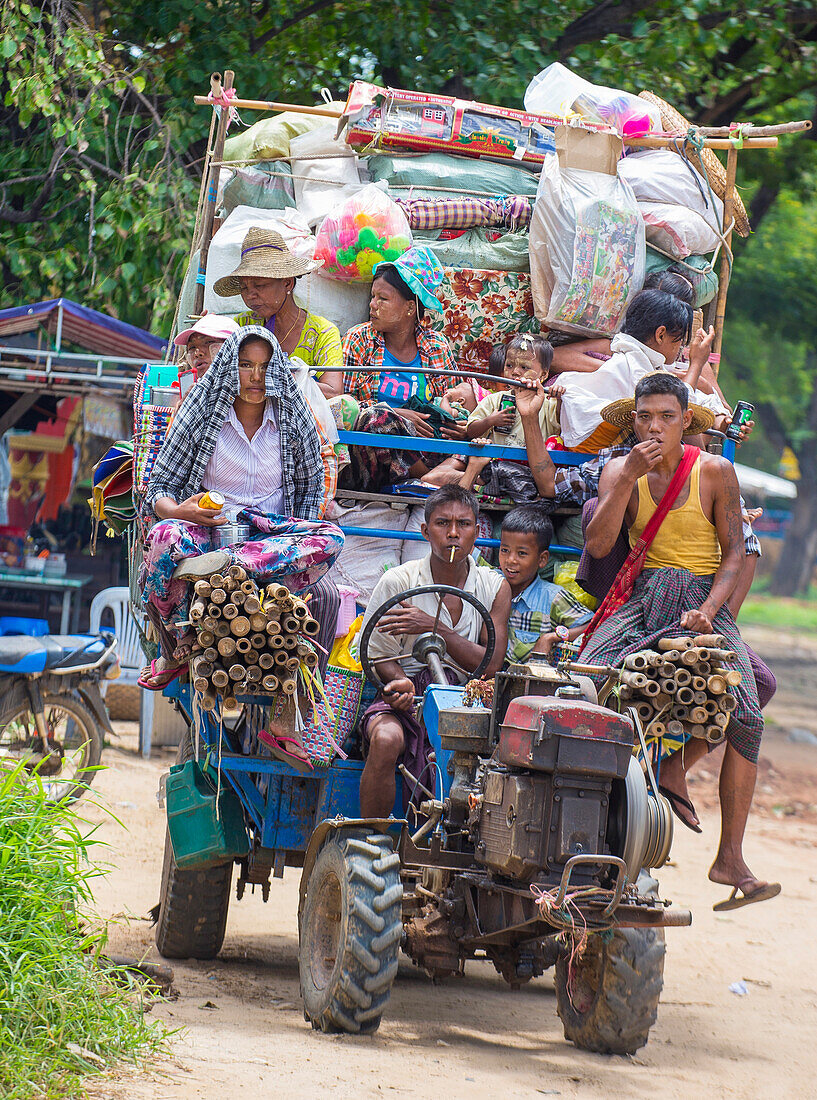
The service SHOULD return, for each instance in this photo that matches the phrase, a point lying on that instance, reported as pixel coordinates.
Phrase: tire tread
(363, 981)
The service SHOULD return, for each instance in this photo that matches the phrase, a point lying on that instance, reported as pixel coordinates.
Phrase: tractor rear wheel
(350, 931)
(611, 1001)
(194, 902)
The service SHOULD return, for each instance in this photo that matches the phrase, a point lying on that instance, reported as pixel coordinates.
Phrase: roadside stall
(66, 383)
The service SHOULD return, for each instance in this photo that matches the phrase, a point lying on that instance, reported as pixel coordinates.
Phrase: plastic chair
(131, 656)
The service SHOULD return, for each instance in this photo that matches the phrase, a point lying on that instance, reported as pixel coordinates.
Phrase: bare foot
(734, 872)
(184, 647)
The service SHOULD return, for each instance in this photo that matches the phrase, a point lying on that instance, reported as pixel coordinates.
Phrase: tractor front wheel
(350, 931)
(608, 1001)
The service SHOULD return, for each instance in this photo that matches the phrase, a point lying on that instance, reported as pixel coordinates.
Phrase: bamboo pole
(748, 129)
(753, 140)
(212, 172)
(655, 142)
(240, 626)
(324, 111)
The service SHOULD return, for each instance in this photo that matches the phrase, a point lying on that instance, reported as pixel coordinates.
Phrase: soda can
(507, 404)
(212, 500)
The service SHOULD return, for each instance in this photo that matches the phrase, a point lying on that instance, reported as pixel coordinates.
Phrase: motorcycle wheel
(74, 741)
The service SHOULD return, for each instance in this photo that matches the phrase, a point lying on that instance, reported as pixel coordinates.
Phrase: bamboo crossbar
(748, 129)
(649, 141)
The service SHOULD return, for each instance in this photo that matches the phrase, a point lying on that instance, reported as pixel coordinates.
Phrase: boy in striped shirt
(542, 613)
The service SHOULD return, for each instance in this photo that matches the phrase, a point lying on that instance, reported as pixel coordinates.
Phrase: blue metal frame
(283, 806)
(457, 447)
(450, 447)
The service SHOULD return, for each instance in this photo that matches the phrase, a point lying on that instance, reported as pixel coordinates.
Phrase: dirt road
(243, 1029)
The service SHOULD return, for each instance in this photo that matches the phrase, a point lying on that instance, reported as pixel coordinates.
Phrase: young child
(542, 613)
(528, 359)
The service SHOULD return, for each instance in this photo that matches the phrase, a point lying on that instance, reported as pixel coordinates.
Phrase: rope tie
(223, 102)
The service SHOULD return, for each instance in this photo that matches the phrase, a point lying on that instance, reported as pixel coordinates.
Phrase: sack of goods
(587, 250)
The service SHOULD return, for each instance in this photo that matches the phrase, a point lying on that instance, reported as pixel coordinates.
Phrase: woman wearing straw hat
(265, 279)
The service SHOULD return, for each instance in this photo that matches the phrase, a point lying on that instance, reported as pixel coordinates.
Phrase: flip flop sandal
(152, 679)
(764, 893)
(676, 800)
(276, 747)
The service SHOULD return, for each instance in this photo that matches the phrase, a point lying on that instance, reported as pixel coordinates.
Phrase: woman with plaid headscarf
(245, 430)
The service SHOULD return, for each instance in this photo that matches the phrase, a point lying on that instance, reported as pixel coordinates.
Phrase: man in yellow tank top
(690, 572)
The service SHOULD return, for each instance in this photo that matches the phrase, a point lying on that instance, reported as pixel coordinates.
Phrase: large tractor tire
(350, 931)
(193, 903)
(613, 998)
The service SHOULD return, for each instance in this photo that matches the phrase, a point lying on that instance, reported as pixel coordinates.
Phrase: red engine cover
(552, 734)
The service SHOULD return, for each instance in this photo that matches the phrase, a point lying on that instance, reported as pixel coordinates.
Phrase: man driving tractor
(390, 731)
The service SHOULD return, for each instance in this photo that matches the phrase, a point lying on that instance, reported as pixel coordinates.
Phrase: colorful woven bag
(323, 740)
(150, 424)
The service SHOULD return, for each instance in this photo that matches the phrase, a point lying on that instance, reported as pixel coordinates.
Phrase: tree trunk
(793, 572)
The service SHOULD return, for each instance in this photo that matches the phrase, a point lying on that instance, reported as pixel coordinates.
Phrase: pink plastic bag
(365, 230)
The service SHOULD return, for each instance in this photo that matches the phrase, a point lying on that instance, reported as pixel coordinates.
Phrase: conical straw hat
(675, 123)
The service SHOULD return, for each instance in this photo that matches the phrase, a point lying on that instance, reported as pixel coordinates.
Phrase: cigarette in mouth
(453, 552)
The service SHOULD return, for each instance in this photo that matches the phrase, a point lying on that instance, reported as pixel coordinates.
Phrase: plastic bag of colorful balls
(365, 230)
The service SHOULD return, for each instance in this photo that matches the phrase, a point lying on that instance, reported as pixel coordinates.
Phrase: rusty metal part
(429, 942)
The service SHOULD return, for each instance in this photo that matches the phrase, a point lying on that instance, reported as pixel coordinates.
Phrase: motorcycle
(52, 715)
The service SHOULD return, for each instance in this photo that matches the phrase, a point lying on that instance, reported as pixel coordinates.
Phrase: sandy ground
(242, 1031)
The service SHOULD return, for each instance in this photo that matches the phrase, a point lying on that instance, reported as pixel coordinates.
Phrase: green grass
(795, 616)
(61, 1019)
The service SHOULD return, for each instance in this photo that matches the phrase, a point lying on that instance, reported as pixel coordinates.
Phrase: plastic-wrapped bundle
(264, 186)
(587, 250)
(558, 92)
(439, 175)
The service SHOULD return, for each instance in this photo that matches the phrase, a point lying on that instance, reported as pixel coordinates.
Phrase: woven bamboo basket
(675, 123)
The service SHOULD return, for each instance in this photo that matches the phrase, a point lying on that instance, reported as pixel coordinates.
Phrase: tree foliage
(95, 199)
(102, 145)
(770, 354)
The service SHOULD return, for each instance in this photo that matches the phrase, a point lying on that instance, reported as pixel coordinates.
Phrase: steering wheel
(429, 647)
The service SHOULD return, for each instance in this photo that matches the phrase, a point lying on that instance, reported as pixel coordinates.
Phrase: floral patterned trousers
(296, 552)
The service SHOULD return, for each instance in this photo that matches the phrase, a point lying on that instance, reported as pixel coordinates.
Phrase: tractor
(530, 849)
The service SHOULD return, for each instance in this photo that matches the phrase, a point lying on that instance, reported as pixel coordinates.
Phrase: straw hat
(264, 255)
(620, 414)
(675, 123)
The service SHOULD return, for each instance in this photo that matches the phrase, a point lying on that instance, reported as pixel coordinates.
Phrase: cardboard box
(390, 118)
(588, 150)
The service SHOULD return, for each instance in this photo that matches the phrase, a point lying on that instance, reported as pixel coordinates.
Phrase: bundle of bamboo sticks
(682, 687)
(250, 642)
